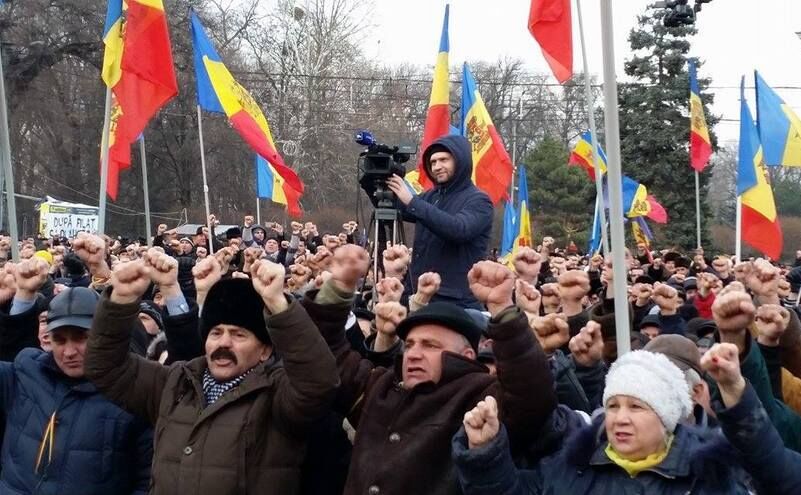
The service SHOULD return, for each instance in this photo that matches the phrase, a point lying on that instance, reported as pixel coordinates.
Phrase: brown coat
(403, 437)
(252, 440)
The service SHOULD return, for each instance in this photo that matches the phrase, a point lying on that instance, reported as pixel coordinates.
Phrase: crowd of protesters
(272, 359)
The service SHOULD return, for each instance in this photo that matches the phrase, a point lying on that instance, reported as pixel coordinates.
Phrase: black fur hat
(234, 301)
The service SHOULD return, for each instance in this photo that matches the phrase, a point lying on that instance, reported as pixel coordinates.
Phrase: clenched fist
(388, 315)
(481, 423)
(396, 260)
(551, 301)
(587, 347)
(30, 275)
(92, 251)
(492, 284)
(268, 280)
(528, 298)
(722, 362)
(206, 272)
(427, 286)
(350, 263)
(129, 281)
(771, 322)
(528, 263)
(574, 285)
(8, 284)
(389, 289)
(733, 312)
(163, 271)
(763, 279)
(667, 298)
(552, 331)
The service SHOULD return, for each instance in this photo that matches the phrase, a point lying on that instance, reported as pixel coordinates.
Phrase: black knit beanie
(234, 301)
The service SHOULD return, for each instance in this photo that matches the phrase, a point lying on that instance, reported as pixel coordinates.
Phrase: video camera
(377, 164)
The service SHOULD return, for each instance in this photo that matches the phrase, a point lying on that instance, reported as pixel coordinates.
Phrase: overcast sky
(734, 38)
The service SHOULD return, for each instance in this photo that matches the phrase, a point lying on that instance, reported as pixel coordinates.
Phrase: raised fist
(552, 331)
(492, 284)
(527, 263)
(206, 272)
(763, 278)
(331, 242)
(643, 293)
(587, 347)
(129, 281)
(428, 285)
(722, 362)
(574, 285)
(784, 288)
(396, 260)
(163, 269)
(30, 275)
(771, 322)
(557, 264)
(551, 301)
(667, 298)
(162, 228)
(389, 289)
(388, 315)
(8, 283)
(91, 249)
(268, 280)
(248, 222)
(297, 227)
(300, 275)
(481, 423)
(252, 254)
(350, 263)
(212, 221)
(528, 298)
(706, 282)
(733, 311)
(224, 257)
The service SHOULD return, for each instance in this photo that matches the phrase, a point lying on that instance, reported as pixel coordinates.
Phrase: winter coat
(700, 462)
(99, 448)
(402, 436)
(453, 227)
(252, 439)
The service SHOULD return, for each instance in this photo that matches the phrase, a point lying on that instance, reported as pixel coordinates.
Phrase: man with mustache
(235, 420)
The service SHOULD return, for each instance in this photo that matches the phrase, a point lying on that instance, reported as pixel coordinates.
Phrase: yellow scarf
(636, 467)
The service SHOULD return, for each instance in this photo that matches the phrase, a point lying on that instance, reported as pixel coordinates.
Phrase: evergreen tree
(655, 125)
(561, 196)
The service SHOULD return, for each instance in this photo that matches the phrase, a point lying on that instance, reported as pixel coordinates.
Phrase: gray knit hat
(653, 379)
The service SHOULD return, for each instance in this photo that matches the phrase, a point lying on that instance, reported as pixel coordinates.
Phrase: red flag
(549, 21)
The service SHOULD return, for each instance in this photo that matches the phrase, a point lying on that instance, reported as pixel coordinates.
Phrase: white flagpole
(593, 134)
(104, 152)
(698, 208)
(205, 182)
(738, 231)
(146, 191)
(614, 176)
(258, 210)
(5, 156)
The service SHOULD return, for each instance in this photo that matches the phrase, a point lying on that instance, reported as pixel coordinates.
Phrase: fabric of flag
(523, 225)
(509, 231)
(635, 198)
(760, 226)
(657, 212)
(582, 155)
(595, 236)
(138, 67)
(492, 167)
(270, 185)
(218, 91)
(700, 144)
(412, 182)
(550, 22)
(438, 118)
(642, 234)
(779, 127)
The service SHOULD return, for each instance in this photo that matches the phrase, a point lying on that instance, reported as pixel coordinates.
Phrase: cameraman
(454, 220)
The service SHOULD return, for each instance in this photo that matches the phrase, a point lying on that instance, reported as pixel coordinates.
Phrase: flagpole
(614, 176)
(205, 182)
(5, 156)
(258, 210)
(143, 157)
(698, 208)
(104, 152)
(738, 232)
(593, 134)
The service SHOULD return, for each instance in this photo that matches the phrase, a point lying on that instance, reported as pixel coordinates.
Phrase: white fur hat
(653, 379)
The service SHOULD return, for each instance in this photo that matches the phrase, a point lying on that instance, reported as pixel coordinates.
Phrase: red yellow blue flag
(492, 167)
(438, 118)
(700, 144)
(218, 91)
(270, 185)
(779, 127)
(582, 155)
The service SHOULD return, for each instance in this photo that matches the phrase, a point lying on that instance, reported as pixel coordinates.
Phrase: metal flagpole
(146, 191)
(738, 231)
(698, 208)
(205, 182)
(104, 151)
(593, 133)
(258, 210)
(614, 177)
(5, 156)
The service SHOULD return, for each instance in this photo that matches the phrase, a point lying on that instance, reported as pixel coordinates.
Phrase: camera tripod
(386, 226)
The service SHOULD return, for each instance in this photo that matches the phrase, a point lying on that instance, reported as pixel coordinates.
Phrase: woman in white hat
(640, 444)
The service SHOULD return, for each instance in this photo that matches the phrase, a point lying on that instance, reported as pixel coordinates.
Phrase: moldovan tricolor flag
(582, 155)
(523, 224)
(218, 91)
(438, 118)
(700, 145)
(492, 167)
(760, 221)
(550, 22)
(779, 127)
(270, 185)
(137, 66)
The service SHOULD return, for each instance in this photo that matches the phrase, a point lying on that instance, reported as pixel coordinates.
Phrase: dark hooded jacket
(454, 223)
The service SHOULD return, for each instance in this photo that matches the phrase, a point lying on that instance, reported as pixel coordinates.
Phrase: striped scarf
(213, 390)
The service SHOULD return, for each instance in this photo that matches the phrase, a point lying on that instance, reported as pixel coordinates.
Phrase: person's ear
(469, 353)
